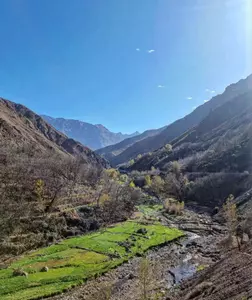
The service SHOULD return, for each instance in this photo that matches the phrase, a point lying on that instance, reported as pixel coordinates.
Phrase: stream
(185, 269)
(173, 264)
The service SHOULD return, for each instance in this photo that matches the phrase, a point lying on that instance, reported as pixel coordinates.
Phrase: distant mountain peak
(93, 136)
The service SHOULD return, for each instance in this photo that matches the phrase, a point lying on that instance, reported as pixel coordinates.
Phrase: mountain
(22, 126)
(93, 136)
(112, 152)
(215, 155)
(220, 142)
(180, 126)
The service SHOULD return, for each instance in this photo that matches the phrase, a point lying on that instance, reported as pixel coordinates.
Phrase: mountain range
(20, 125)
(153, 140)
(92, 136)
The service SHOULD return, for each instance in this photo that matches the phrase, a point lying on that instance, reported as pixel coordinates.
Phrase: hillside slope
(182, 125)
(112, 152)
(221, 142)
(22, 126)
(93, 136)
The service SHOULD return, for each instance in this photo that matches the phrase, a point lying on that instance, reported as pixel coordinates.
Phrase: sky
(130, 65)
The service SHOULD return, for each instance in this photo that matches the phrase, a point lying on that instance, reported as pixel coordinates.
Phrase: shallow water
(185, 269)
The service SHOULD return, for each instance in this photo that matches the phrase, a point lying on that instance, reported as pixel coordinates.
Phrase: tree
(175, 185)
(147, 179)
(131, 162)
(157, 185)
(139, 156)
(230, 214)
(132, 184)
(176, 168)
(145, 277)
(168, 147)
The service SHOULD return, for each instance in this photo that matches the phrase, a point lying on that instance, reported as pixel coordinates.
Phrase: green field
(75, 260)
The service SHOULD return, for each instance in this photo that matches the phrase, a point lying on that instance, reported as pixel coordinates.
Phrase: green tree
(132, 184)
(131, 162)
(147, 179)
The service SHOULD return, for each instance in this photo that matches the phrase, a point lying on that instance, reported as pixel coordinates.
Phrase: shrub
(112, 173)
(173, 206)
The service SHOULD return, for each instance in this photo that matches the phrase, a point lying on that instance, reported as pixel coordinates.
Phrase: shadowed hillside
(180, 126)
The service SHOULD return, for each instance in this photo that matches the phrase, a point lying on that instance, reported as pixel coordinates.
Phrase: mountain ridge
(21, 125)
(93, 136)
(180, 126)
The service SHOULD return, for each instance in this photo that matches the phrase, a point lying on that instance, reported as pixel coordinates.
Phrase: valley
(160, 215)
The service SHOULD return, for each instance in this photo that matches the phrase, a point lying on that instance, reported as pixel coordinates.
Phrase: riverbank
(169, 265)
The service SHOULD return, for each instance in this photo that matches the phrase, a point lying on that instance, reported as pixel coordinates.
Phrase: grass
(77, 259)
(148, 211)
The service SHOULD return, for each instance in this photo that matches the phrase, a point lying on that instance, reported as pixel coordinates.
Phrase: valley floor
(57, 268)
(168, 265)
(193, 266)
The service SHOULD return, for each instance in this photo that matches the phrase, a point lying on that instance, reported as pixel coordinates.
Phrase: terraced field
(75, 260)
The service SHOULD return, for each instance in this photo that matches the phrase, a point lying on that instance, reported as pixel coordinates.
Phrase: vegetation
(40, 197)
(145, 278)
(76, 259)
(173, 206)
(147, 180)
(168, 147)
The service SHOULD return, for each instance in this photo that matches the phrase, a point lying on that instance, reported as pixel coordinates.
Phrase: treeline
(199, 188)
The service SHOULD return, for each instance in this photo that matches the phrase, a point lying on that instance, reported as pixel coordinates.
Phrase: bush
(173, 206)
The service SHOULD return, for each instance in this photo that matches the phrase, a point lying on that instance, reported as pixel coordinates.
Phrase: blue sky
(79, 59)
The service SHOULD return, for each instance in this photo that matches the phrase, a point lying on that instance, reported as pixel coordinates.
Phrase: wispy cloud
(206, 101)
(189, 98)
(151, 51)
(137, 49)
(210, 91)
(161, 86)
(194, 107)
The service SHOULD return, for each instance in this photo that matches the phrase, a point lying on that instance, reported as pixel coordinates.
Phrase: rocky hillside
(221, 142)
(180, 126)
(22, 126)
(112, 152)
(215, 155)
(93, 136)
